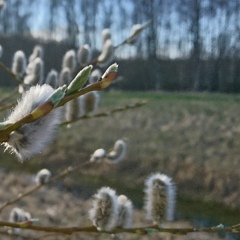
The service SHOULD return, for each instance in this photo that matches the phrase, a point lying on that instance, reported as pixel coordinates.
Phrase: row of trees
(204, 34)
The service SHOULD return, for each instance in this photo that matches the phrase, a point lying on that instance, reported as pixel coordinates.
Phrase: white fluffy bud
(1, 51)
(95, 76)
(19, 63)
(43, 176)
(69, 60)
(98, 155)
(104, 213)
(118, 153)
(106, 34)
(35, 72)
(52, 78)
(89, 102)
(107, 55)
(37, 53)
(125, 212)
(31, 138)
(64, 77)
(160, 198)
(84, 55)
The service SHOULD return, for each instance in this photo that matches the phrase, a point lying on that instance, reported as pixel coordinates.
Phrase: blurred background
(186, 65)
(189, 45)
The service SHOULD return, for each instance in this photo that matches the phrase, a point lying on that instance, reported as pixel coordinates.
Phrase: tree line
(189, 44)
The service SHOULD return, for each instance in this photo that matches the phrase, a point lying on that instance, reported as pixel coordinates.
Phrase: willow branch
(128, 40)
(48, 106)
(108, 113)
(19, 197)
(138, 230)
(125, 41)
(35, 188)
(10, 73)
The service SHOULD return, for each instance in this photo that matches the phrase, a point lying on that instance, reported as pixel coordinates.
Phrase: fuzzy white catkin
(72, 110)
(106, 34)
(64, 77)
(104, 212)
(37, 53)
(160, 198)
(135, 36)
(98, 155)
(125, 212)
(43, 176)
(1, 51)
(89, 102)
(84, 55)
(2, 5)
(94, 76)
(118, 153)
(19, 63)
(107, 54)
(52, 78)
(19, 215)
(31, 138)
(35, 72)
(69, 60)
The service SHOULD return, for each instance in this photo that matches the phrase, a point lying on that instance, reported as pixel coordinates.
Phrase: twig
(129, 39)
(48, 106)
(125, 41)
(106, 114)
(138, 230)
(9, 72)
(35, 188)
(20, 196)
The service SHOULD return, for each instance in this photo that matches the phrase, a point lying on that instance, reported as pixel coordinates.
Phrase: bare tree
(54, 6)
(89, 11)
(71, 20)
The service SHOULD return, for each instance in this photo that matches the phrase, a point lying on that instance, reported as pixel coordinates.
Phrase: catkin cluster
(110, 211)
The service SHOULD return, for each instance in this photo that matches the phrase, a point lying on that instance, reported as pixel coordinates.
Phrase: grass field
(193, 137)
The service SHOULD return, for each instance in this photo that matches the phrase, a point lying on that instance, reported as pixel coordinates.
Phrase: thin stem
(138, 230)
(20, 196)
(35, 188)
(48, 106)
(106, 114)
(9, 72)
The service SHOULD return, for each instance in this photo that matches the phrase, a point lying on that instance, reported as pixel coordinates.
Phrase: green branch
(54, 101)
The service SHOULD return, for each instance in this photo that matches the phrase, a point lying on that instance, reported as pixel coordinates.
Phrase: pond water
(202, 214)
(197, 212)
